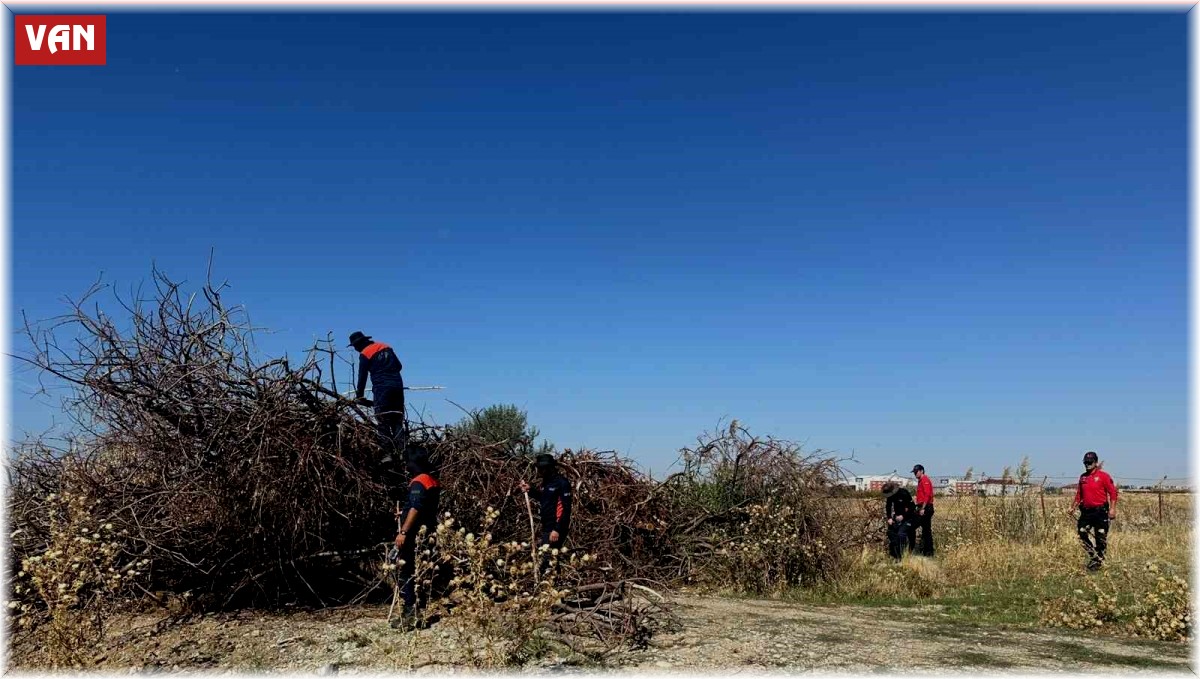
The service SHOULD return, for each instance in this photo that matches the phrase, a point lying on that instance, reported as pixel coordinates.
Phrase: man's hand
(921, 512)
(1112, 513)
(400, 540)
(553, 536)
(889, 522)
(523, 486)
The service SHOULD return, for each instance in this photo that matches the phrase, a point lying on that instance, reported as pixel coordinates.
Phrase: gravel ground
(717, 634)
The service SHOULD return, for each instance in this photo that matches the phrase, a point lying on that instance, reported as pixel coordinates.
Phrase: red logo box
(60, 40)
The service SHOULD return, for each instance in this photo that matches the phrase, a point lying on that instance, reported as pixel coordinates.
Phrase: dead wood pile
(254, 482)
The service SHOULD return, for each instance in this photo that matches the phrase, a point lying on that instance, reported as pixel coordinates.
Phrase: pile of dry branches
(229, 473)
(250, 481)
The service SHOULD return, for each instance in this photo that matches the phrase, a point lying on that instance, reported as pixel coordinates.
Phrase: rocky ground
(725, 634)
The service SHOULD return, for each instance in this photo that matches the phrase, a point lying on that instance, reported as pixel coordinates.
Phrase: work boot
(1094, 564)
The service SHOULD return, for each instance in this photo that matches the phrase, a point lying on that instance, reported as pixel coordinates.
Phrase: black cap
(357, 336)
(1090, 456)
(918, 468)
(544, 461)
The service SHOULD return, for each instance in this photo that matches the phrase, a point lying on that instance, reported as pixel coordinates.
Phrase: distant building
(946, 485)
(874, 482)
(996, 487)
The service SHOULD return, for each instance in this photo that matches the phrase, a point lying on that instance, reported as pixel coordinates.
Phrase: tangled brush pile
(246, 481)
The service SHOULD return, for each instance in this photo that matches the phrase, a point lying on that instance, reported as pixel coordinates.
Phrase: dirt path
(758, 634)
(717, 634)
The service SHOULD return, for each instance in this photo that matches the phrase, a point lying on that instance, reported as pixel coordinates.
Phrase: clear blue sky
(952, 239)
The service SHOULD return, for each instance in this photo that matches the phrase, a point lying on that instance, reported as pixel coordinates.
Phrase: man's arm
(563, 513)
(362, 377)
(416, 500)
(1112, 496)
(1078, 494)
(535, 493)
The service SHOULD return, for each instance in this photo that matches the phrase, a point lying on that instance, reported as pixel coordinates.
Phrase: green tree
(508, 427)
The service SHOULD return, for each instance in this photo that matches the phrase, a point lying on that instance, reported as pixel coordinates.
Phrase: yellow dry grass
(1014, 559)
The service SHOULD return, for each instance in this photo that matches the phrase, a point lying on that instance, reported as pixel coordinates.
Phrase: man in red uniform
(924, 518)
(1096, 498)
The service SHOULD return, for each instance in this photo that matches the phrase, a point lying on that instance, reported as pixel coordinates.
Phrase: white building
(874, 482)
(944, 485)
(996, 487)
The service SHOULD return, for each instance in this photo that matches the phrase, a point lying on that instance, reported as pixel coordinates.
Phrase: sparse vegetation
(982, 574)
(64, 593)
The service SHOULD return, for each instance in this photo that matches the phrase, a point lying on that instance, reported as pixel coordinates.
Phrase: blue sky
(952, 239)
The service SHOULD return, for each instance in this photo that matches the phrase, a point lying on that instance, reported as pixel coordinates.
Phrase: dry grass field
(1017, 560)
(1007, 591)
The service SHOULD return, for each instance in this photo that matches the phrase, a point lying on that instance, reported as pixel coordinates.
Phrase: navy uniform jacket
(554, 498)
(900, 502)
(380, 362)
(424, 494)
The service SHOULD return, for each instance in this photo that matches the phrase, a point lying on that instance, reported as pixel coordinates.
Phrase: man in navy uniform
(420, 511)
(377, 360)
(899, 510)
(554, 498)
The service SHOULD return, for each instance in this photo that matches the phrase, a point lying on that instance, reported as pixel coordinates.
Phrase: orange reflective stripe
(558, 511)
(374, 348)
(426, 480)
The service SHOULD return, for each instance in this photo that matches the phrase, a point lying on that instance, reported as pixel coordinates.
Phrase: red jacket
(1095, 490)
(924, 491)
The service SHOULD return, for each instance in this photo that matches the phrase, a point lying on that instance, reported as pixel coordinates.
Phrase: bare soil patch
(717, 633)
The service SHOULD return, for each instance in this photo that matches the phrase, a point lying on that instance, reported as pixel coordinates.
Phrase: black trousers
(390, 424)
(898, 537)
(406, 573)
(1094, 519)
(556, 544)
(925, 524)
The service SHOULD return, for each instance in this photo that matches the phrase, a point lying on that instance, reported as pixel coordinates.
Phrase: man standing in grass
(899, 511)
(1096, 498)
(924, 518)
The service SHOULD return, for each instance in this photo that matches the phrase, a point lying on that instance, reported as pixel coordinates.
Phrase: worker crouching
(899, 511)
